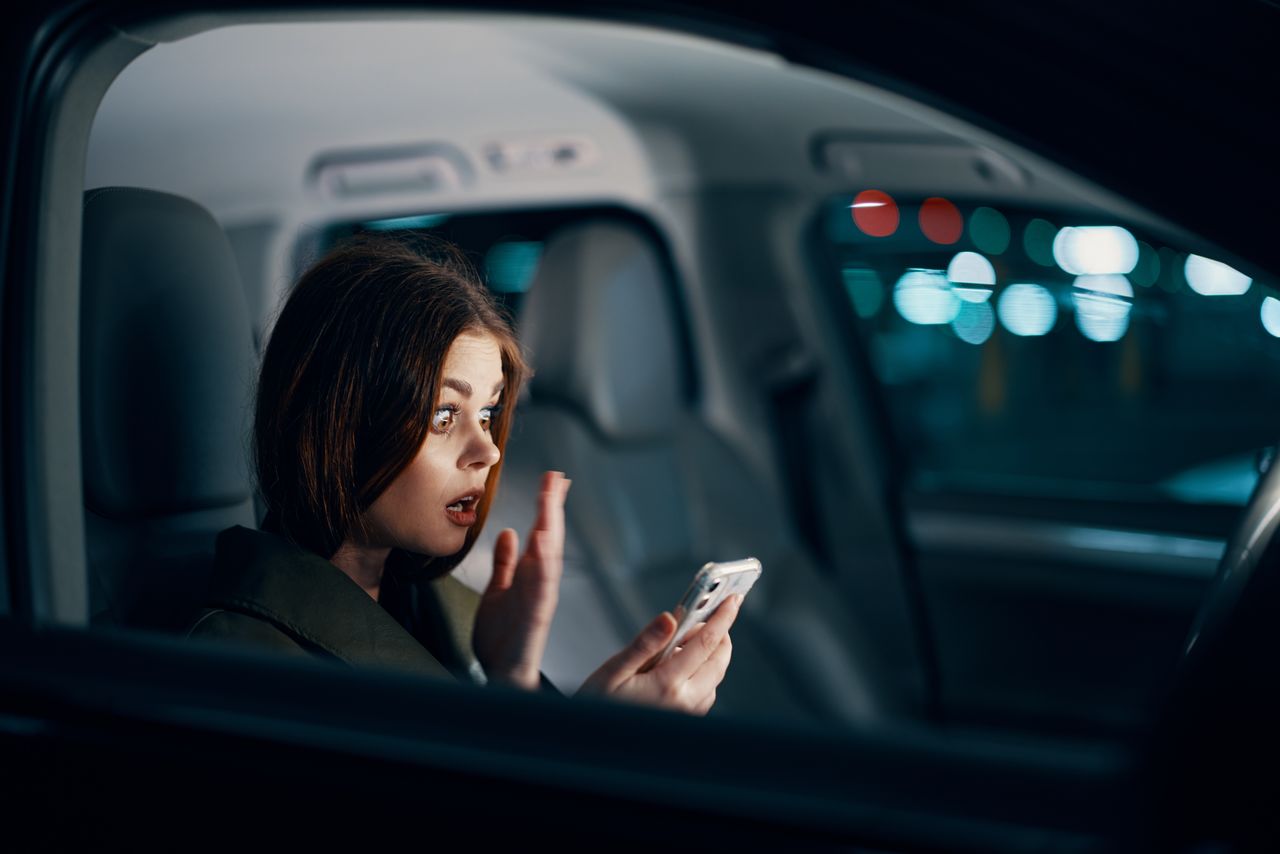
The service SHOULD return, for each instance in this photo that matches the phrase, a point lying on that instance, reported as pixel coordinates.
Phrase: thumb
(637, 655)
(504, 559)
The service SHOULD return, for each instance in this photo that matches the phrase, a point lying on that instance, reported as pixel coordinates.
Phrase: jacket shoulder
(218, 623)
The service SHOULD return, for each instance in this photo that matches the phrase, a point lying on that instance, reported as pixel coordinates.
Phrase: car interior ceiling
(659, 416)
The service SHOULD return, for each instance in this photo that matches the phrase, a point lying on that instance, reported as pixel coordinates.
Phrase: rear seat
(656, 492)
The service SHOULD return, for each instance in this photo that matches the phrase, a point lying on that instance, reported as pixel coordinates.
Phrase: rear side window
(1057, 352)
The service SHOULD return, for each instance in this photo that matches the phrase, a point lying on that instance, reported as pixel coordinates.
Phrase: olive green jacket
(271, 593)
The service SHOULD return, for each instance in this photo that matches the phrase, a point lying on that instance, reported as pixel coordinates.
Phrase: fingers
(704, 681)
(651, 641)
(550, 518)
(505, 548)
(699, 647)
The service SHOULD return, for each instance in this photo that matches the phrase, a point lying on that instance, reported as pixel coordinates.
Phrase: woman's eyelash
(442, 419)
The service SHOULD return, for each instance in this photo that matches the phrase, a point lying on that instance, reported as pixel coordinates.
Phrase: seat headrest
(166, 360)
(600, 326)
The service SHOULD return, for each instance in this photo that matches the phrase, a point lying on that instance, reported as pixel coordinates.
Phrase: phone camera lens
(713, 586)
(703, 603)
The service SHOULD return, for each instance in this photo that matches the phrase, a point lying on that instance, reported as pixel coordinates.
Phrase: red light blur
(941, 221)
(875, 213)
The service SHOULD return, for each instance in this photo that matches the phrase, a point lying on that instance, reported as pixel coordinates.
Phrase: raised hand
(687, 680)
(517, 607)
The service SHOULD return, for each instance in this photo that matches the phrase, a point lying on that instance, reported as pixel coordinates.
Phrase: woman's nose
(480, 452)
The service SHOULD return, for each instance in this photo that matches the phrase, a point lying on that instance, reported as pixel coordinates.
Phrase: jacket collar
(310, 599)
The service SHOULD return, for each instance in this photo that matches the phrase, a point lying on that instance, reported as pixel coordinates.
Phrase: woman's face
(430, 505)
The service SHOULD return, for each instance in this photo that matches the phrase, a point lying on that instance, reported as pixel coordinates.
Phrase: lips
(462, 510)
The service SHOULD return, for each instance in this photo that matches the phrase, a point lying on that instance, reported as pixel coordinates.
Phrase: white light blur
(1103, 304)
(975, 322)
(972, 276)
(925, 297)
(1095, 250)
(1271, 315)
(1027, 309)
(868, 204)
(1215, 279)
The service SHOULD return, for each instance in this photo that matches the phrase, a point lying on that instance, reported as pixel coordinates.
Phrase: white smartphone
(711, 585)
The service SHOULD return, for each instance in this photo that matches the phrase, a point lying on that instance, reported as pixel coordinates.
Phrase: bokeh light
(940, 221)
(875, 213)
(1147, 271)
(1037, 241)
(925, 297)
(1095, 250)
(865, 290)
(512, 265)
(1271, 315)
(1103, 304)
(1027, 309)
(1213, 278)
(989, 230)
(972, 276)
(974, 322)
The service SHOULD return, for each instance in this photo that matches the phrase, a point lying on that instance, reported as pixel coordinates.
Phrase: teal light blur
(865, 290)
(1171, 264)
(511, 266)
(404, 222)
(1271, 315)
(1147, 272)
(974, 323)
(925, 297)
(972, 276)
(1027, 309)
(1037, 241)
(1103, 304)
(989, 230)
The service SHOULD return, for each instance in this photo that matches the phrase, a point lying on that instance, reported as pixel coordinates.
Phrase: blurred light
(1027, 309)
(925, 297)
(974, 322)
(403, 222)
(1213, 278)
(941, 221)
(1095, 250)
(1037, 241)
(1102, 304)
(1147, 272)
(512, 265)
(865, 290)
(875, 213)
(1170, 270)
(1271, 315)
(972, 276)
(989, 230)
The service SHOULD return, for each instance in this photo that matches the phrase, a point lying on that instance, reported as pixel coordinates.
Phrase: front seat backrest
(166, 366)
(656, 491)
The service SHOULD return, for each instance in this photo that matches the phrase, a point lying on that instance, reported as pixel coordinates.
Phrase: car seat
(656, 492)
(166, 366)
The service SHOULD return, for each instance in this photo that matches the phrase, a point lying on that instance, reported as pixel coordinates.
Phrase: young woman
(383, 407)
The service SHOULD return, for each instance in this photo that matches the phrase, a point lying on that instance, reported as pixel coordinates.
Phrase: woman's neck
(363, 564)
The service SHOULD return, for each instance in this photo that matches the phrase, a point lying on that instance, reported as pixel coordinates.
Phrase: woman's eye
(442, 420)
(488, 414)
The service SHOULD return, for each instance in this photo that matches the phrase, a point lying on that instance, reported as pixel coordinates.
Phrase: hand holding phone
(712, 584)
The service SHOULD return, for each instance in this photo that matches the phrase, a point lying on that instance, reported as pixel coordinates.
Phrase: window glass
(1058, 352)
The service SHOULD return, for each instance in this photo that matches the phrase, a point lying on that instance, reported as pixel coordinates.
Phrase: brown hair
(350, 380)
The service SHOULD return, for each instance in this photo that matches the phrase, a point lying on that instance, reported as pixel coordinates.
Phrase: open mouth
(464, 504)
(463, 509)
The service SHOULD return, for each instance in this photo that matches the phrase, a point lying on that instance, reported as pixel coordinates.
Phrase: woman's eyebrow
(463, 387)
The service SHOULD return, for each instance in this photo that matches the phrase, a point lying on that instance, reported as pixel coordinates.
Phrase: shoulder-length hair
(350, 380)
